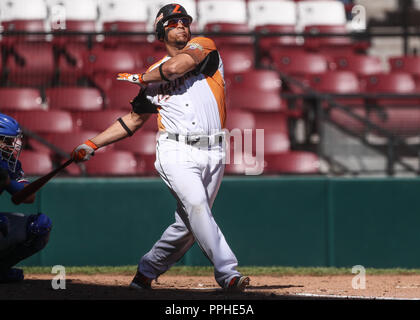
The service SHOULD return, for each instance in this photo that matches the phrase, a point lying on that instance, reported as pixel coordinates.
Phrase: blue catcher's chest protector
(15, 176)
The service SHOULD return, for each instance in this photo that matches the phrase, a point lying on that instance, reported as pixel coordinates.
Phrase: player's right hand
(84, 151)
(133, 78)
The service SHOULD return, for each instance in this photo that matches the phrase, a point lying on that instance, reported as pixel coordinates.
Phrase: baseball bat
(34, 186)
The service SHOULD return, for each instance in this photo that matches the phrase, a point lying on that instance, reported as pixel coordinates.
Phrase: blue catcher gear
(38, 225)
(12, 275)
(32, 233)
(4, 225)
(10, 141)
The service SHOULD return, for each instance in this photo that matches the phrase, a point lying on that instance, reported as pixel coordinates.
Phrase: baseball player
(21, 235)
(186, 89)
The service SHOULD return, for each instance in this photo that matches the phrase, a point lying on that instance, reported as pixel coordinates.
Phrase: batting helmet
(166, 13)
(10, 140)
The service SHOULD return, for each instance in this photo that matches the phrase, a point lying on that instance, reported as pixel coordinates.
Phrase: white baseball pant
(193, 175)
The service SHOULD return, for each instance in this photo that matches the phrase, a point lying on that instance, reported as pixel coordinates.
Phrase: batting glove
(133, 78)
(84, 151)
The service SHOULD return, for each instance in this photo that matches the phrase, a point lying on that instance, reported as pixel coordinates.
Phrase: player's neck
(173, 49)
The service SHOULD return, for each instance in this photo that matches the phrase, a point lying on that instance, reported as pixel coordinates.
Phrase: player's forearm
(116, 131)
(171, 69)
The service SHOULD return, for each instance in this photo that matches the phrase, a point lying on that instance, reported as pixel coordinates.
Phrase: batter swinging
(186, 88)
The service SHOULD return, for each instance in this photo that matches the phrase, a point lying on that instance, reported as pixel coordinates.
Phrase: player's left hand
(84, 151)
(133, 78)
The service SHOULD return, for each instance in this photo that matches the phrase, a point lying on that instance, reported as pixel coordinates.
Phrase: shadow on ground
(42, 290)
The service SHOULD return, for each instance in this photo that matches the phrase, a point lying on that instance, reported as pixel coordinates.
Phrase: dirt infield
(169, 287)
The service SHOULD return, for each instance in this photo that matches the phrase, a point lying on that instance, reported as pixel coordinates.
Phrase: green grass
(208, 271)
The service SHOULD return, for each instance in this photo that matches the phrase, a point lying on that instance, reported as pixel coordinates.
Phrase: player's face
(10, 149)
(6, 144)
(178, 31)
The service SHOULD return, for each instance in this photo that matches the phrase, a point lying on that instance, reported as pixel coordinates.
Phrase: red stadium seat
(146, 165)
(74, 169)
(106, 81)
(266, 80)
(257, 90)
(111, 61)
(74, 98)
(21, 15)
(75, 15)
(213, 18)
(125, 16)
(275, 142)
(72, 63)
(88, 26)
(29, 25)
(112, 163)
(254, 100)
(345, 120)
(81, 25)
(239, 164)
(78, 62)
(43, 122)
(32, 64)
(119, 96)
(271, 121)
(35, 163)
(68, 141)
(142, 143)
(124, 26)
(299, 63)
(328, 44)
(273, 17)
(399, 115)
(240, 119)
(38, 146)
(235, 60)
(338, 82)
(97, 120)
(335, 82)
(268, 44)
(145, 54)
(362, 65)
(151, 123)
(230, 41)
(293, 162)
(100, 120)
(20, 99)
(398, 82)
(400, 121)
(409, 64)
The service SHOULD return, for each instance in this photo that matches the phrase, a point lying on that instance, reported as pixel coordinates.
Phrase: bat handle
(65, 164)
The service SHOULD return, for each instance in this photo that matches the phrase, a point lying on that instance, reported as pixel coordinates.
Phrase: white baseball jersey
(192, 103)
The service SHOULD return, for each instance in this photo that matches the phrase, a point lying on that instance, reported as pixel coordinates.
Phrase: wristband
(141, 79)
(91, 144)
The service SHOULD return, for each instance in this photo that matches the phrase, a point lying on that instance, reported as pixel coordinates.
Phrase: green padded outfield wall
(288, 221)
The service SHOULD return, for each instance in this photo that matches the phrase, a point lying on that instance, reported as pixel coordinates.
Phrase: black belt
(204, 141)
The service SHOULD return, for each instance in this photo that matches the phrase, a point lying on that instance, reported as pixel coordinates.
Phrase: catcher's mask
(10, 141)
(169, 12)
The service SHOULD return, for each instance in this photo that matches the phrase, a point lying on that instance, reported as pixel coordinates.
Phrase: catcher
(21, 235)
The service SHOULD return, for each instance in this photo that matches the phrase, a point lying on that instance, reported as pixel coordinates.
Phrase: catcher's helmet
(10, 140)
(166, 13)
